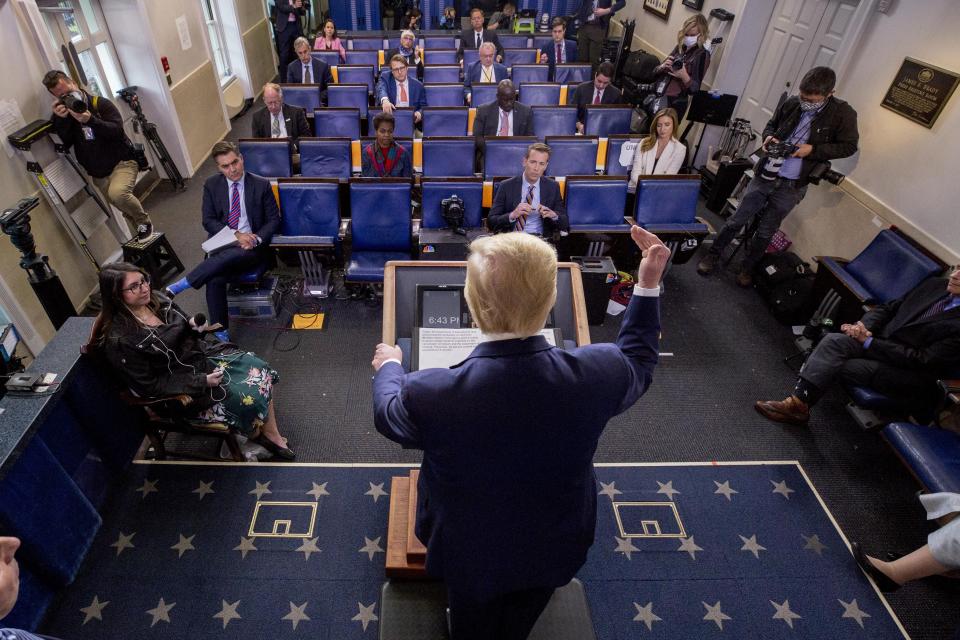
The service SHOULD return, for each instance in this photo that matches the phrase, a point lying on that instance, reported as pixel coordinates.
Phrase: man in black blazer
(475, 36)
(899, 349)
(244, 202)
(287, 29)
(505, 117)
(279, 120)
(558, 45)
(308, 70)
(530, 202)
(599, 91)
(594, 16)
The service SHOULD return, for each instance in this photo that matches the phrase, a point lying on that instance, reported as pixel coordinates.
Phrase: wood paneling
(197, 99)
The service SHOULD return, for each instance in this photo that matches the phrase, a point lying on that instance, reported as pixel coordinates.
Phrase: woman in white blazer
(660, 152)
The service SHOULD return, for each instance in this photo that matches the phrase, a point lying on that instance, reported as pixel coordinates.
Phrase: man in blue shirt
(10, 587)
(822, 128)
(898, 349)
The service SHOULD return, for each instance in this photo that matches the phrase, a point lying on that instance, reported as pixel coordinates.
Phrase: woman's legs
(270, 429)
(913, 566)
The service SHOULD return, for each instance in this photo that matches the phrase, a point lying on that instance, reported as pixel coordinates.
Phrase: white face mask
(690, 41)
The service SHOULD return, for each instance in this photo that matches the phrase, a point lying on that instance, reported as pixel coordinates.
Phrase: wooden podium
(406, 554)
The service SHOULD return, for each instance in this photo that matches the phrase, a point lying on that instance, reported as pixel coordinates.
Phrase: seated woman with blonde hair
(159, 351)
(660, 153)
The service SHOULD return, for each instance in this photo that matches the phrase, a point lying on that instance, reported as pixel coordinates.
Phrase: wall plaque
(919, 91)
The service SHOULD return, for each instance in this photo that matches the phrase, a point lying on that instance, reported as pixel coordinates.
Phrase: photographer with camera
(806, 131)
(93, 127)
(680, 75)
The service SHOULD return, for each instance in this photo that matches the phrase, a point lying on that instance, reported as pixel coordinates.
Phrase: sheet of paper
(443, 348)
(626, 152)
(183, 29)
(11, 121)
(222, 239)
(64, 178)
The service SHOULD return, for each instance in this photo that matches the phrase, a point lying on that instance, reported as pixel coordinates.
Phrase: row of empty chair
(444, 156)
(428, 42)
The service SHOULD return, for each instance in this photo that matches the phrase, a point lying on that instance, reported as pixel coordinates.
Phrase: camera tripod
(149, 130)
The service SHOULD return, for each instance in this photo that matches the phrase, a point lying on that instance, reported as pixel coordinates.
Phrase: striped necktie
(275, 128)
(233, 220)
(937, 307)
(521, 221)
(307, 75)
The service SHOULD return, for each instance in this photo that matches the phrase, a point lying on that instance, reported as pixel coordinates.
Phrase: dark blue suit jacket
(508, 197)
(586, 8)
(550, 51)
(473, 74)
(507, 493)
(261, 206)
(387, 88)
(320, 71)
(284, 9)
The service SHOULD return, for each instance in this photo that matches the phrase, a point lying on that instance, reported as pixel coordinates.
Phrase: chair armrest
(710, 229)
(828, 262)
(345, 228)
(137, 401)
(951, 389)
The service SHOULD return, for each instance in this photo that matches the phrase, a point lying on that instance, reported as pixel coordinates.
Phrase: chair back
(612, 166)
(365, 57)
(523, 73)
(890, 266)
(337, 122)
(554, 121)
(539, 41)
(332, 58)
(607, 119)
(356, 74)
(482, 94)
(269, 158)
(519, 56)
(573, 155)
(666, 199)
(435, 190)
(440, 56)
(444, 95)
(595, 201)
(448, 156)
(349, 95)
(469, 57)
(365, 44)
(439, 42)
(504, 156)
(445, 121)
(403, 121)
(305, 96)
(380, 214)
(572, 73)
(513, 41)
(441, 73)
(325, 157)
(540, 94)
(309, 207)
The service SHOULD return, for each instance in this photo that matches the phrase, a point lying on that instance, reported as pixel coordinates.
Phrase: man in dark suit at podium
(507, 494)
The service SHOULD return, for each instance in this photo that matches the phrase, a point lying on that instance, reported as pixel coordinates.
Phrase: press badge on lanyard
(88, 133)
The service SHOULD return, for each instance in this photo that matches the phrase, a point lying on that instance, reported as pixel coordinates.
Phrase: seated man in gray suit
(505, 117)
(899, 349)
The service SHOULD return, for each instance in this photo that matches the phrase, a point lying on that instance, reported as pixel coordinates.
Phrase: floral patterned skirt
(243, 397)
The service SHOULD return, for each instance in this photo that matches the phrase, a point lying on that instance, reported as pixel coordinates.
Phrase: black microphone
(198, 321)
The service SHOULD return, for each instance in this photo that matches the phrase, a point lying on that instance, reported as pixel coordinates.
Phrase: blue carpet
(283, 551)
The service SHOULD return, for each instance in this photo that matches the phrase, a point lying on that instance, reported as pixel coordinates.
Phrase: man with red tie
(559, 50)
(600, 91)
(245, 203)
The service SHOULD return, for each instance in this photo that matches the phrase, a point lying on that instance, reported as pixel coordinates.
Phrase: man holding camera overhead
(805, 133)
(93, 127)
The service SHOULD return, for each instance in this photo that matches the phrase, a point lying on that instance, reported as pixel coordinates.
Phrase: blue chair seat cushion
(932, 453)
(599, 228)
(251, 277)
(696, 228)
(838, 269)
(367, 266)
(874, 400)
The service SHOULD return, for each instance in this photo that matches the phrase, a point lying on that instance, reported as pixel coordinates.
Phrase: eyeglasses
(134, 288)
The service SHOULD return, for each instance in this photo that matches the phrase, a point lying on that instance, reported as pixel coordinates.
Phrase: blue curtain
(356, 15)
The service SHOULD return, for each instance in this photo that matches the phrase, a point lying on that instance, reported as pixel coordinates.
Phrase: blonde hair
(651, 139)
(511, 283)
(698, 20)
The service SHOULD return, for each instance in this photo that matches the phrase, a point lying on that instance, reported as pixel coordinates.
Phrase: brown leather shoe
(789, 411)
(745, 279)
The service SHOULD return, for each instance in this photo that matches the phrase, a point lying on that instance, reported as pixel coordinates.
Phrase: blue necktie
(937, 307)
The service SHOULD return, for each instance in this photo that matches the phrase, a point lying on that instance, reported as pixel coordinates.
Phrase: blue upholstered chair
(932, 454)
(554, 121)
(540, 94)
(444, 95)
(469, 57)
(523, 73)
(267, 158)
(365, 44)
(572, 73)
(605, 120)
(380, 226)
(519, 56)
(305, 96)
(482, 94)
(667, 206)
(440, 56)
(445, 121)
(448, 156)
(439, 42)
(365, 57)
(325, 157)
(612, 166)
(572, 155)
(513, 41)
(504, 156)
(332, 58)
(539, 41)
(356, 74)
(337, 122)
(596, 204)
(309, 207)
(436, 189)
(402, 117)
(440, 73)
(349, 95)
(872, 409)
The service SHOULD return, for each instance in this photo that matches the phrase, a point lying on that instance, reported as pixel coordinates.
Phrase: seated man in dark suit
(505, 117)
(475, 36)
(407, 49)
(507, 497)
(483, 71)
(245, 203)
(308, 70)
(279, 120)
(398, 89)
(560, 50)
(600, 91)
(899, 349)
(530, 202)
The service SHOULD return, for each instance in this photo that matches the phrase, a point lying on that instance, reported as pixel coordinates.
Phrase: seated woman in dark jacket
(158, 351)
(680, 75)
(384, 158)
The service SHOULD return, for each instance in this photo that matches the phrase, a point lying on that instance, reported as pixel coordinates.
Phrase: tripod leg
(150, 132)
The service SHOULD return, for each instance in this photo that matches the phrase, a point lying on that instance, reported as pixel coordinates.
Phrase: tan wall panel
(197, 100)
(249, 13)
(258, 45)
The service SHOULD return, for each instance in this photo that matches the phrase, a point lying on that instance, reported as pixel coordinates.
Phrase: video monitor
(442, 306)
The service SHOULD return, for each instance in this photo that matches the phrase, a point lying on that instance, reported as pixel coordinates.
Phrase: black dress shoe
(885, 583)
(284, 453)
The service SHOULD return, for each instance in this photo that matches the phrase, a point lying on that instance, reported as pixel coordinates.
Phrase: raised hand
(655, 256)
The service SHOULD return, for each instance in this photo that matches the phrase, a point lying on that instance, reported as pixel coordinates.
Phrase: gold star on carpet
(814, 544)
(750, 544)
(318, 490)
(625, 546)
(688, 545)
(245, 546)
(204, 489)
(784, 613)
(852, 610)
(184, 544)
(228, 612)
(161, 612)
(782, 488)
(261, 489)
(376, 490)
(297, 614)
(366, 615)
(714, 614)
(94, 611)
(308, 547)
(723, 488)
(123, 542)
(609, 490)
(371, 547)
(667, 489)
(149, 486)
(646, 615)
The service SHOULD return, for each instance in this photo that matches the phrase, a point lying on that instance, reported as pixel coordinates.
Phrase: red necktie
(233, 220)
(559, 54)
(596, 97)
(403, 93)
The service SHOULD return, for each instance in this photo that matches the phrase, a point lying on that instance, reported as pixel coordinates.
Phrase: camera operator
(810, 129)
(94, 128)
(680, 75)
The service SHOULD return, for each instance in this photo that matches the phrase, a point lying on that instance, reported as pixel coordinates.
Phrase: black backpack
(789, 300)
(776, 268)
(639, 66)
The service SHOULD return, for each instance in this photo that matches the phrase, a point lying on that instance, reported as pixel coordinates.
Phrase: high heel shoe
(885, 583)
(284, 453)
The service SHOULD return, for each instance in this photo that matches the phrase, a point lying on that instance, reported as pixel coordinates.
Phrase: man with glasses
(399, 90)
(279, 120)
(408, 49)
(559, 50)
(244, 202)
(483, 71)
